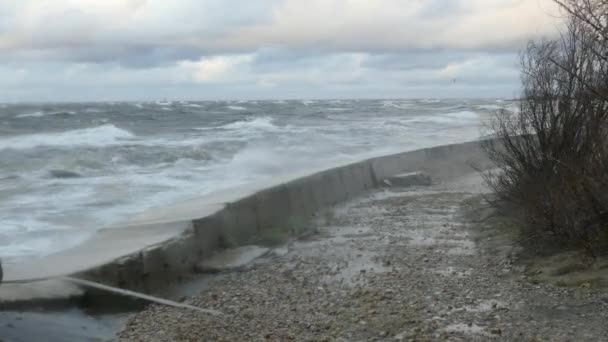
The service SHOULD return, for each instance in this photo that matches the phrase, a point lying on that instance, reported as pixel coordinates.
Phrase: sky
(96, 50)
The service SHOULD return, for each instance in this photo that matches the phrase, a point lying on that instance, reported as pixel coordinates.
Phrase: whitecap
(489, 107)
(447, 118)
(93, 110)
(31, 115)
(239, 108)
(464, 114)
(105, 135)
(392, 104)
(41, 114)
(430, 100)
(261, 123)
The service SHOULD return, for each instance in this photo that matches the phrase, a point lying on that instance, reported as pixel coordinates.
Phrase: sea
(68, 169)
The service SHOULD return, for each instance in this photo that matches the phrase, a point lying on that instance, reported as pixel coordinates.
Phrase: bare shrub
(553, 154)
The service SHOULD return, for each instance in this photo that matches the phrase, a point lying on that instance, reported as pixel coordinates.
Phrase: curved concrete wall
(159, 247)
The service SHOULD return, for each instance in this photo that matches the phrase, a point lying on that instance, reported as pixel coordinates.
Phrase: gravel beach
(395, 265)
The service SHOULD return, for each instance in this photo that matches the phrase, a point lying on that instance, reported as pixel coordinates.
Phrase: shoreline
(169, 243)
(421, 236)
(157, 254)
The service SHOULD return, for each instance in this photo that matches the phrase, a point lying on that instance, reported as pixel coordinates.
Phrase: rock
(409, 179)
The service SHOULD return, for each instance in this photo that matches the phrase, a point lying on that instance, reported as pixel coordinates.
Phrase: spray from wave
(261, 123)
(105, 135)
(39, 114)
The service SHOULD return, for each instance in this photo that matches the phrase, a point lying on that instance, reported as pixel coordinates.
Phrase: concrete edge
(152, 265)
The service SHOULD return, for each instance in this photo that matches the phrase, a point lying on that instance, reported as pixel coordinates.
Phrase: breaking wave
(105, 135)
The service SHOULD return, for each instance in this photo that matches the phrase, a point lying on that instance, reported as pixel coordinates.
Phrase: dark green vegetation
(552, 158)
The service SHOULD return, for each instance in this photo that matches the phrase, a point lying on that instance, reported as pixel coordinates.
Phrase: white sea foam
(105, 135)
(93, 110)
(31, 115)
(261, 123)
(430, 100)
(38, 114)
(489, 107)
(237, 108)
(464, 114)
(173, 161)
(400, 105)
(451, 118)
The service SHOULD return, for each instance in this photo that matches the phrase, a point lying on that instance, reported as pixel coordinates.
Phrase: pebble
(327, 291)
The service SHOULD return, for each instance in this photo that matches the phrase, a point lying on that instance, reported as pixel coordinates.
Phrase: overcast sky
(240, 49)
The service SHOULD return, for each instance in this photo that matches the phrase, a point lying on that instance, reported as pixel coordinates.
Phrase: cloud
(263, 47)
(216, 68)
(84, 29)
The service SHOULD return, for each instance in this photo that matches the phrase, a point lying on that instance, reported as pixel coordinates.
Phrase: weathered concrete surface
(158, 247)
(391, 265)
(51, 292)
(108, 244)
(231, 259)
(409, 179)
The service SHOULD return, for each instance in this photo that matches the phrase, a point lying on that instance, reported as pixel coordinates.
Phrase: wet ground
(70, 325)
(394, 265)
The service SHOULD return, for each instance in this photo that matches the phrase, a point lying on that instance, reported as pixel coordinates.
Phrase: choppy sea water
(69, 169)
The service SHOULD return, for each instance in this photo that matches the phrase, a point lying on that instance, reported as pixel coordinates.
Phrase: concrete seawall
(159, 247)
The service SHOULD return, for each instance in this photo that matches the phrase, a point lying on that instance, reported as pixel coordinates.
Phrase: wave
(41, 114)
(401, 105)
(430, 100)
(58, 173)
(239, 108)
(490, 107)
(261, 123)
(93, 110)
(464, 116)
(105, 135)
